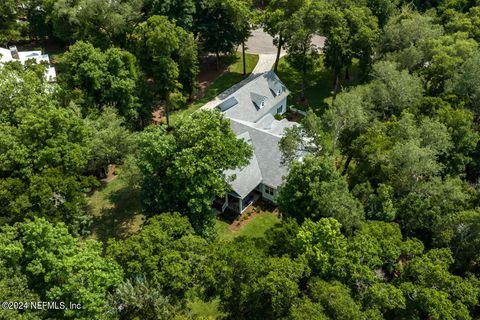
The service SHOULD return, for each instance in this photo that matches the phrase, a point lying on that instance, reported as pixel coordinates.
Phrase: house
(251, 110)
(12, 54)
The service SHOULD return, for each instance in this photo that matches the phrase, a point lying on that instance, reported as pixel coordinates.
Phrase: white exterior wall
(283, 104)
(266, 195)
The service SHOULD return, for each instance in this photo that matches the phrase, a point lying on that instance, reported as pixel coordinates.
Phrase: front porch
(234, 203)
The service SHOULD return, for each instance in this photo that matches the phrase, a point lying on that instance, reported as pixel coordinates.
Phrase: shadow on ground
(117, 212)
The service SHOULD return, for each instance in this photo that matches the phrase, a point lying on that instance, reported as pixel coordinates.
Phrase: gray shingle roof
(247, 178)
(249, 109)
(267, 155)
(246, 109)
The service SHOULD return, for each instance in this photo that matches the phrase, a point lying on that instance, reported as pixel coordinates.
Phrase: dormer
(258, 100)
(275, 86)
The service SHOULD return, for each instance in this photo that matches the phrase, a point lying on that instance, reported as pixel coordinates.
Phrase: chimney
(14, 52)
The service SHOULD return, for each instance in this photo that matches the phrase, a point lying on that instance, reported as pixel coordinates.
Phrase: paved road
(260, 43)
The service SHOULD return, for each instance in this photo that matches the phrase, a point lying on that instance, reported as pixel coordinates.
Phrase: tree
(169, 54)
(181, 12)
(44, 150)
(306, 309)
(97, 79)
(59, 268)
(140, 299)
(166, 252)
(276, 19)
(405, 35)
(221, 25)
(184, 170)
(446, 55)
(434, 291)
(110, 144)
(302, 26)
(466, 83)
(383, 9)
(315, 189)
(102, 22)
(323, 244)
(392, 90)
(350, 31)
(424, 209)
(460, 232)
(335, 298)
(334, 131)
(9, 27)
(401, 152)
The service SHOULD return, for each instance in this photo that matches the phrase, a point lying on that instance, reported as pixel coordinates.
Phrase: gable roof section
(267, 153)
(276, 87)
(247, 178)
(254, 92)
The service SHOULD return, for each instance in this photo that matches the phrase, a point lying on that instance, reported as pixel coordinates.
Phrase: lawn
(116, 211)
(232, 75)
(256, 227)
(319, 84)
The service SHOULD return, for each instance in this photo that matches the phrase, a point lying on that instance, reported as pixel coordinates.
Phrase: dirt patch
(294, 116)
(158, 116)
(208, 72)
(111, 174)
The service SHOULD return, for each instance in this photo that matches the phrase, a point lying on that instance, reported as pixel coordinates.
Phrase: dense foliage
(379, 213)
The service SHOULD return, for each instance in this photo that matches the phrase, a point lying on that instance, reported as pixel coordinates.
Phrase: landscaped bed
(254, 222)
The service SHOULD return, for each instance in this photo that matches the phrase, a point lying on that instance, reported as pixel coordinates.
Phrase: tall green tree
(301, 28)
(166, 252)
(350, 31)
(169, 54)
(182, 12)
(59, 268)
(44, 150)
(276, 21)
(97, 79)
(184, 170)
(9, 26)
(103, 23)
(222, 25)
(110, 142)
(315, 189)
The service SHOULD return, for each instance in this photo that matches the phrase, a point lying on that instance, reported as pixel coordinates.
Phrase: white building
(12, 54)
(251, 110)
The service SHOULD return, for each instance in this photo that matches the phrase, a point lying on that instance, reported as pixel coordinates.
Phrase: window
(269, 190)
(280, 109)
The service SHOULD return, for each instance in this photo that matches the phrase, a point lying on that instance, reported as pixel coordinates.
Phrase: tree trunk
(335, 84)
(347, 164)
(279, 51)
(347, 73)
(243, 57)
(217, 55)
(167, 113)
(304, 71)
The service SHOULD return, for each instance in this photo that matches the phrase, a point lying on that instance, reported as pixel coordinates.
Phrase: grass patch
(254, 229)
(319, 88)
(116, 211)
(230, 77)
